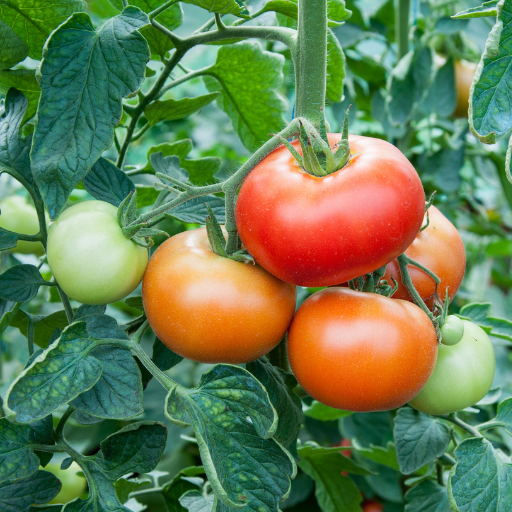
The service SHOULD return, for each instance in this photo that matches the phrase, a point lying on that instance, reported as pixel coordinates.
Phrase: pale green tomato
(73, 486)
(452, 330)
(89, 256)
(21, 217)
(463, 374)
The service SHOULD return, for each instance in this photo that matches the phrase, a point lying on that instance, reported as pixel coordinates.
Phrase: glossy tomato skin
(89, 256)
(21, 217)
(313, 231)
(464, 73)
(439, 247)
(463, 374)
(361, 351)
(212, 309)
(73, 486)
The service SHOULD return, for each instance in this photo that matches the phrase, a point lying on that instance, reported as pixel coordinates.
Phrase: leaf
(178, 486)
(441, 97)
(171, 110)
(44, 328)
(77, 117)
(7, 241)
(279, 385)
(163, 357)
(25, 81)
(39, 488)
(34, 20)
(419, 439)
(336, 11)
(118, 392)
(486, 9)
(194, 501)
(443, 167)
(385, 456)
(7, 312)
(106, 182)
(369, 428)
(219, 6)
(14, 151)
(170, 166)
(63, 371)
(477, 313)
(14, 49)
(20, 283)
(335, 68)
(233, 421)
(334, 492)
(249, 79)
(490, 116)
(503, 417)
(195, 212)
(319, 411)
(481, 480)
(427, 496)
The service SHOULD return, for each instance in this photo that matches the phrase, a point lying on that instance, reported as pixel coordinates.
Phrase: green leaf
(385, 456)
(503, 417)
(34, 20)
(44, 328)
(20, 283)
(279, 385)
(170, 166)
(427, 496)
(334, 492)
(249, 80)
(486, 9)
(171, 110)
(118, 392)
(195, 212)
(7, 312)
(76, 117)
(14, 49)
(336, 10)
(233, 421)
(319, 411)
(195, 501)
(481, 480)
(159, 44)
(179, 485)
(477, 312)
(490, 117)
(219, 6)
(7, 241)
(419, 439)
(37, 489)
(443, 167)
(335, 68)
(441, 97)
(25, 81)
(14, 151)
(106, 182)
(163, 357)
(369, 428)
(63, 371)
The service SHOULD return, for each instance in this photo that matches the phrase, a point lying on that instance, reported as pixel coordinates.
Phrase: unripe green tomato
(73, 486)
(91, 259)
(452, 330)
(21, 217)
(463, 374)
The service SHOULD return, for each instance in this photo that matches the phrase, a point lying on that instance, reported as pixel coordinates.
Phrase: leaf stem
(49, 448)
(62, 422)
(461, 424)
(185, 78)
(402, 8)
(278, 357)
(65, 302)
(158, 374)
(162, 8)
(30, 335)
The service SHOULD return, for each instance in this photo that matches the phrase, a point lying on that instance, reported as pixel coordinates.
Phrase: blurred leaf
(219, 6)
(322, 412)
(7, 311)
(336, 10)
(76, 119)
(427, 496)
(7, 241)
(14, 49)
(171, 110)
(335, 68)
(441, 97)
(419, 439)
(477, 312)
(195, 501)
(385, 456)
(20, 283)
(163, 357)
(486, 9)
(447, 25)
(503, 417)
(178, 486)
(44, 328)
(25, 81)
(443, 167)
(369, 428)
(249, 80)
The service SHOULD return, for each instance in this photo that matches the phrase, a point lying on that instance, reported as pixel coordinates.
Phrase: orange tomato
(212, 309)
(464, 73)
(372, 506)
(361, 351)
(439, 247)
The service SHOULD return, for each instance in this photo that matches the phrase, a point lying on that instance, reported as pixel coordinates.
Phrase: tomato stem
(402, 9)
(278, 356)
(461, 424)
(62, 422)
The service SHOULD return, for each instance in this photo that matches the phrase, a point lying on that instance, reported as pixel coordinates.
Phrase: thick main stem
(311, 60)
(402, 9)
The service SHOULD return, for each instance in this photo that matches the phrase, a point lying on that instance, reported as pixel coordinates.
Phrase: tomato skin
(212, 309)
(464, 73)
(91, 259)
(21, 217)
(361, 351)
(372, 506)
(73, 486)
(452, 330)
(439, 247)
(314, 231)
(463, 374)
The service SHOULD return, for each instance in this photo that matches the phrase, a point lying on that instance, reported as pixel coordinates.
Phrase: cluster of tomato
(349, 349)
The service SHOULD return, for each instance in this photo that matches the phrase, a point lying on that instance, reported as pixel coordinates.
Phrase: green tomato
(21, 217)
(452, 330)
(73, 486)
(462, 376)
(91, 259)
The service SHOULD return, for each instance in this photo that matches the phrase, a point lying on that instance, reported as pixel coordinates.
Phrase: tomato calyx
(372, 283)
(428, 204)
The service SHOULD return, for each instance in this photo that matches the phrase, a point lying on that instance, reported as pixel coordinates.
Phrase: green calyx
(372, 283)
(318, 158)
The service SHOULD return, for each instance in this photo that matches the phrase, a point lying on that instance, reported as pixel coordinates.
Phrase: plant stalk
(402, 10)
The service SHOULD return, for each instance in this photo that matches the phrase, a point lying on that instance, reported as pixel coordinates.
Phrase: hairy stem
(65, 302)
(461, 424)
(62, 422)
(158, 374)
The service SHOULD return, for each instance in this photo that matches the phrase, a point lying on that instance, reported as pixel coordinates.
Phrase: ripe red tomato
(372, 506)
(439, 247)
(212, 309)
(464, 73)
(314, 231)
(361, 351)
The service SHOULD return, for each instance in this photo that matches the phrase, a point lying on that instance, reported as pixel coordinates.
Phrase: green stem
(425, 269)
(461, 424)
(162, 8)
(49, 448)
(278, 356)
(185, 78)
(311, 60)
(65, 301)
(447, 459)
(62, 422)
(402, 9)
(30, 335)
(158, 374)
(219, 22)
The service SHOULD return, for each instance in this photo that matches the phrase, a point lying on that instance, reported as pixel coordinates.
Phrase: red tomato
(372, 506)
(361, 351)
(314, 231)
(439, 247)
(212, 309)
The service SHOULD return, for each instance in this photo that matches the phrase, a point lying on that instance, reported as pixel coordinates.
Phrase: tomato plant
(438, 247)
(304, 229)
(463, 374)
(90, 257)
(185, 275)
(353, 350)
(73, 485)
